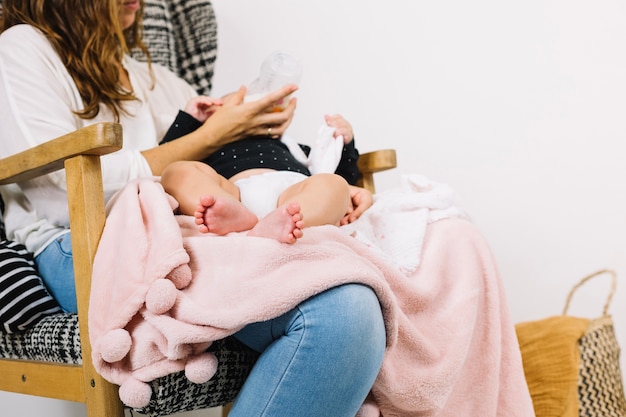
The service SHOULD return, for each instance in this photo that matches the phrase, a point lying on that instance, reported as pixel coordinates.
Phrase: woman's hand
(230, 121)
(236, 119)
(360, 199)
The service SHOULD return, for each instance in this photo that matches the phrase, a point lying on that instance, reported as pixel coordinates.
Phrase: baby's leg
(212, 199)
(187, 181)
(323, 198)
(283, 224)
(222, 215)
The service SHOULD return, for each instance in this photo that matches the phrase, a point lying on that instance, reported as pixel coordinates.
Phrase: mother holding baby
(65, 64)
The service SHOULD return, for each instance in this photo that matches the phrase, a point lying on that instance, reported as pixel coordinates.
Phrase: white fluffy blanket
(162, 292)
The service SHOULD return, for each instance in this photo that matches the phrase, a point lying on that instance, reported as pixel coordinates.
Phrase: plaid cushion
(158, 35)
(182, 35)
(174, 393)
(56, 339)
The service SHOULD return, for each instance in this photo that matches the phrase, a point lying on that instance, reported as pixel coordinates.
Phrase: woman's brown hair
(90, 41)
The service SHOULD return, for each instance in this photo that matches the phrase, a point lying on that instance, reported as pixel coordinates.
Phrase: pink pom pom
(180, 276)
(199, 369)
(161, 296)
(134, 393)
(115, 345)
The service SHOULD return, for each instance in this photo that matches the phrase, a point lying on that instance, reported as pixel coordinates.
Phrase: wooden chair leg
(226, 409)
(83, 174)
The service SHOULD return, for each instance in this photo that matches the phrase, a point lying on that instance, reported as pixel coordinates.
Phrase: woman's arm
(37, 94)
(38, 99)
(232, 121)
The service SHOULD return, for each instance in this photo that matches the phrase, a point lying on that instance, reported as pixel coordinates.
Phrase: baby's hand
(360, 200)
(342, 127)
(202, 107)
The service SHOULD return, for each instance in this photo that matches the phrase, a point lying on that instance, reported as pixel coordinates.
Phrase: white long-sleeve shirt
(38, 98)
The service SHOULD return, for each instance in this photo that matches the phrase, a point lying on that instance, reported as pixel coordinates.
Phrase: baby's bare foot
(222, 215)
(283, 224)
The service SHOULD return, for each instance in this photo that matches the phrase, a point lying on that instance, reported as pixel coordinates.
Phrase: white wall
(520, 106)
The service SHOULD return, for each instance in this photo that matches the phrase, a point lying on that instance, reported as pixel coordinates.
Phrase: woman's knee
(351, 315)
(353, 333)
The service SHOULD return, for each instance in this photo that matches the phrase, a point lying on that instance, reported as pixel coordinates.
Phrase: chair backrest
(182, 35)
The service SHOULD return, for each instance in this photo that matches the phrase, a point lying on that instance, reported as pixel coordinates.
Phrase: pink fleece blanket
(162, 293)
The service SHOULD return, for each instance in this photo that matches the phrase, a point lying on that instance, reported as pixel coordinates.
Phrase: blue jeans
(56, 268)
(319, 359)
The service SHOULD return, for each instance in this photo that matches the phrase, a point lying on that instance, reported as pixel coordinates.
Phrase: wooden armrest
(96, 139)
(79, 153)
(377, 161)
(372, 162)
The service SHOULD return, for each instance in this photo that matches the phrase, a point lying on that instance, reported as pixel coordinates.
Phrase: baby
(257, 185)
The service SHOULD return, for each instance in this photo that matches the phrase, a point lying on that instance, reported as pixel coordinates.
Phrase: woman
(64, 65)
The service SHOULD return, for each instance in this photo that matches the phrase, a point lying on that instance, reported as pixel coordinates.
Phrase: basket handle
(587, 278)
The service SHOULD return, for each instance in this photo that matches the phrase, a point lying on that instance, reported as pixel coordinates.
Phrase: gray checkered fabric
(182, 35)
(56, 338)
(158, 35)
(174, 393)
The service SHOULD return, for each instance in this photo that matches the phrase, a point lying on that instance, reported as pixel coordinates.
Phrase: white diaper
(260, 193)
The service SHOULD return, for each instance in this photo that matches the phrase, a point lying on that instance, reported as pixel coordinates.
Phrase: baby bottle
(278, 70)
